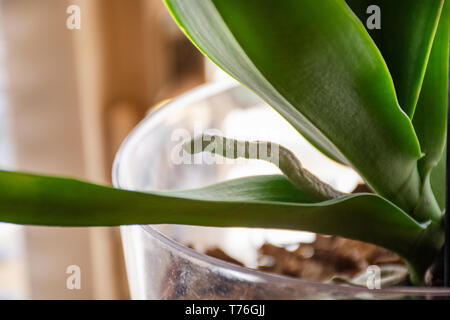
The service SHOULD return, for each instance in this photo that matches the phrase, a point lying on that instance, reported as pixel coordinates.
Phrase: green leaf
(314, 62)
(404, 39)
(430, 119)
(418, 64)
(437, 180)
(41, 200)
(265, 188)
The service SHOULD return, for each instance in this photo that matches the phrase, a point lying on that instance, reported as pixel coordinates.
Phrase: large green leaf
(405, 40)
(405, 37)
(430, 119)
(314, 62)
(248, 202)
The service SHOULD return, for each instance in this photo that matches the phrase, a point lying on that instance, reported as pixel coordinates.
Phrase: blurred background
(68, 97)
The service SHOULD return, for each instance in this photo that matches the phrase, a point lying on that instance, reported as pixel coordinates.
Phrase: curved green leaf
(41, 200)
(264, 188)
(430, 119)
(314, 62)
(404, 39)
(414, 41)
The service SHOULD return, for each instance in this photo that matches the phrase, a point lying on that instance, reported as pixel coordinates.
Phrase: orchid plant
(374, 99)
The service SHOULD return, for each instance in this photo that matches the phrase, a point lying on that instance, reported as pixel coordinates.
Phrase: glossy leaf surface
(430, 119)
(266, 201)
(314, 62)
(404, 36)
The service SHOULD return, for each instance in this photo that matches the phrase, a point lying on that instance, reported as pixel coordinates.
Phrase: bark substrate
(321, 260)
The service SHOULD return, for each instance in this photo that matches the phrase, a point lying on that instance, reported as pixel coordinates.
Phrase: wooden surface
(75, 95)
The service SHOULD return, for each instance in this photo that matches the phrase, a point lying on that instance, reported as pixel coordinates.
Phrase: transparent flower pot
(161, 263)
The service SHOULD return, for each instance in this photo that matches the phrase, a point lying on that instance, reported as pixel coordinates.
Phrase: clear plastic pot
(159, 263)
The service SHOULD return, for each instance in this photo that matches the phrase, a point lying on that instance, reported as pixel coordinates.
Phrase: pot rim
(193, 95)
